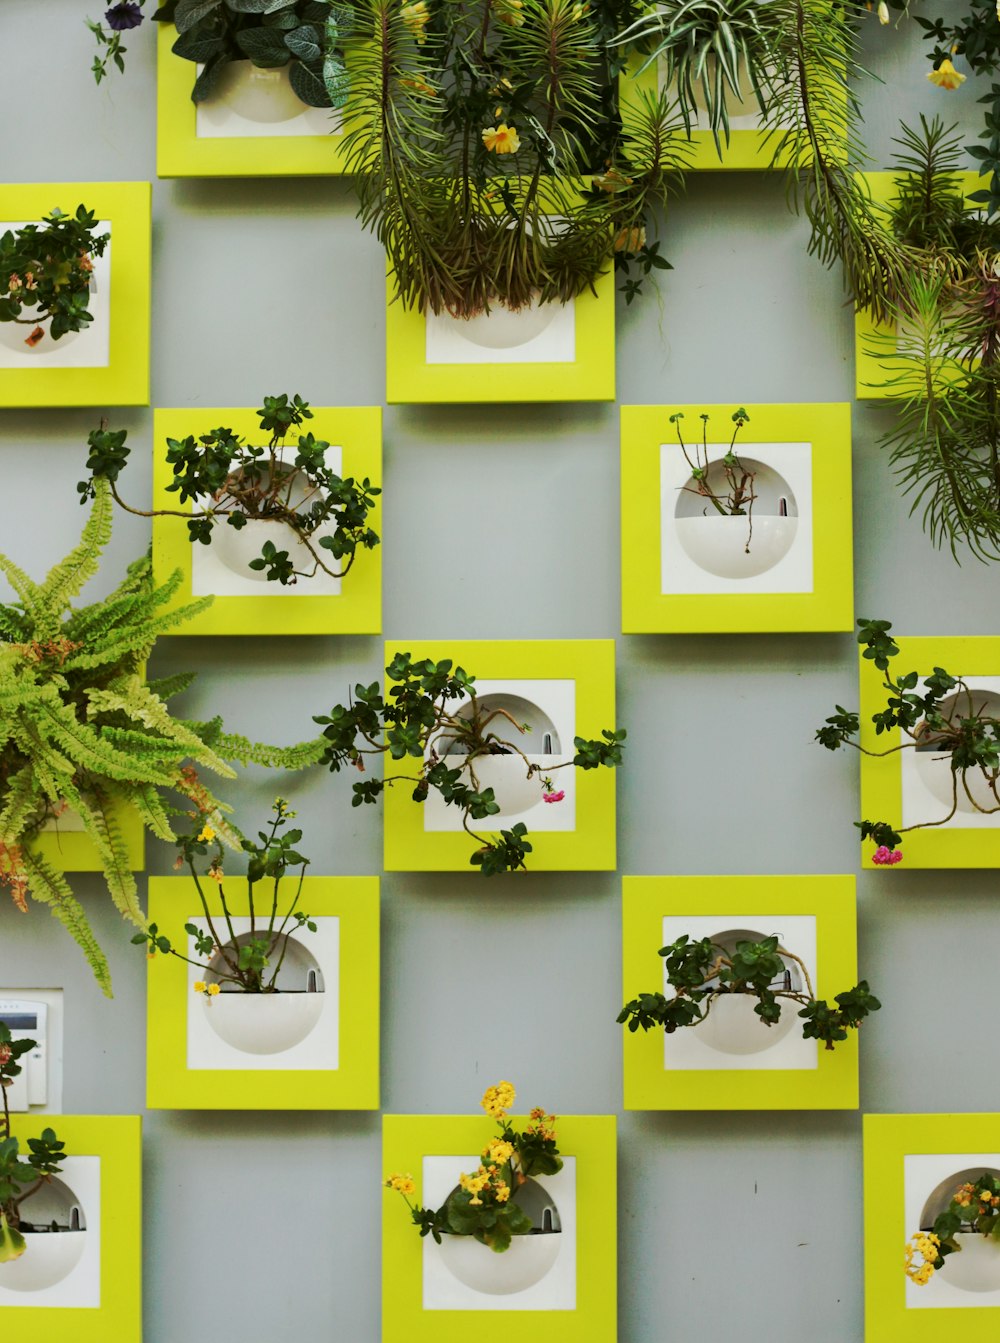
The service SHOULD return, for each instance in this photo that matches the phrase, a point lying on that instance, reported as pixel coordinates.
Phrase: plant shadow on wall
(490, 1205)
(950, 723)
(704, 974)
(24, 1176)
(433, 713)
(287, 499)
(84, 731)
(46, 274)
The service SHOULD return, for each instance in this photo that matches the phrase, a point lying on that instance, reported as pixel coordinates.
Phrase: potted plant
(83, 727)
(434, 715)
(287, 515)
(248, 1000)
(728, 537)
(964, 1238)
(501, 1207)
(475, 133)
(725, 976)
(46, 276)
(42, 1243)
(953, 728)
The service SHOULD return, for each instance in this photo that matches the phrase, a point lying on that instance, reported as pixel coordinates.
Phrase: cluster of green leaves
(20, 1178)
(702, 971)
(305, 35)
(81, 726)
(235, 482)
(968, 1212)
(418, 715)
(468, 223)
(943, 718)
(45, 271)
(254, 965)
(976, 36)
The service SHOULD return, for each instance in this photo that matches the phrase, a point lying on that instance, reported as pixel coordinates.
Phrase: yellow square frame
(353, 1085)
(882, 779)
(411, 380)
(180, 153)
(358, 608)
(125, 379)
(406, 1140)
(117, 1140)
(648, 1084)
(830, 605)
(74, 850)
(590, 847)
(887, 1140)
(869, 368)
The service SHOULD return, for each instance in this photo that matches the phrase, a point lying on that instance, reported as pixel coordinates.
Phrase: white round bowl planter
(50, 1256)
(505, 329)
(526, 1261)
(267, 1023)
(264, 96)
(718, 544)
(513, 789)
(236, 547)
(934, 766)
(14, 335)
(976, 1267)
(732, 1025)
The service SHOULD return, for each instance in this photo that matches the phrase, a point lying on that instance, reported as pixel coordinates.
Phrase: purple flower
(126, 14)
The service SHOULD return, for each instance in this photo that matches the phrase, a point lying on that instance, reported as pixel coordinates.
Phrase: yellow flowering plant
(484, 1204)
(974, 1210)
(253, 964)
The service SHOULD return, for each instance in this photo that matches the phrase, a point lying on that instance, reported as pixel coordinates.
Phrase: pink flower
(554, 797)
(885, 857)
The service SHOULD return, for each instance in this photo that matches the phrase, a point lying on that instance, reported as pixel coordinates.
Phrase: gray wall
(289, 297)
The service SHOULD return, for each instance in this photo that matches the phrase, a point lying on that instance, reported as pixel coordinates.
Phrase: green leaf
(265, 47)
(308, 86)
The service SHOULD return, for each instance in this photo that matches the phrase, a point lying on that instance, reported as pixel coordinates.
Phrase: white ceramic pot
(976, 1267)
(237, 547)
(934, 767)
(13, 336)
(50, 1257)
(262, 1023)
(525, 1262)
(502, 329)
(733, 1027)
(719, 544)
(507, 775)
(264, 96)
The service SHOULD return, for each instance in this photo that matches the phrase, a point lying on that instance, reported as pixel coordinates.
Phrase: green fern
(83, 728)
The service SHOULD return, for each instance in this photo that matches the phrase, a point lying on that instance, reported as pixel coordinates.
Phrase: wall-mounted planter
(107, 363)
(911, 787)
(873, 361)
(564, 689)
(786, 566)
(83, 1281)
(733, 1061)
(913, 1164)
(311, 1046)
(246, 603)
(66, 845)
(559, 1281)
(255, 126)
(548, 352)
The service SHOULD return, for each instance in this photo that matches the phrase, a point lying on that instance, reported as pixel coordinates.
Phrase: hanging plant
(46, 271)
(476, 133)
(81, 727)
(306, 517)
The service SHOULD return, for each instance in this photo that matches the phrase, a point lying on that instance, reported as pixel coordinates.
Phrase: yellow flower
(502, 1192)
(630, 240)
(501, 139)
(419, 86)
(200, 986)
(946, 76)
(402, 1184)
(212, 990)
(416, 17)
(500, 1151)
(207, 833)
(498, 1100)
(509, 12)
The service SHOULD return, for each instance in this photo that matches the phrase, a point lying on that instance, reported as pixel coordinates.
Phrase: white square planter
(926, 780)
(705, 553)
(970, 1278)
(724, 1042)
(90, 348)
(541, 333)
(556, 1290)
(256, 102)
(219, 569)
(550, 705)
(61, 1268)
(210, 1039)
